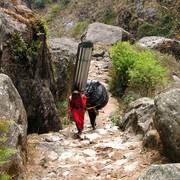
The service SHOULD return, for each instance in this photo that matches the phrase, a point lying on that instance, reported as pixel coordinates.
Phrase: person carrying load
(76, 106)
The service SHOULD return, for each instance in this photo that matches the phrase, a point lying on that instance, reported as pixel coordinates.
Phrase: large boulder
(162, 44)
(167, 122)
(12, 108)
(26, 60)
(138, 119)
(162, 172)
(138, 116)
(63, 51)
(106, 34)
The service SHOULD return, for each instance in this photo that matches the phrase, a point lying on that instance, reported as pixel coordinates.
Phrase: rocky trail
(103, 154)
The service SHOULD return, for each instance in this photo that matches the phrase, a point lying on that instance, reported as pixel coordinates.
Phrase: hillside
(141, 18)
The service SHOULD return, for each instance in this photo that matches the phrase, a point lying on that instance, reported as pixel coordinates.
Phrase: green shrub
(66, 122)
(78, 30)
(62, 108)
(55, 8)
(127, 98)
(162, 27)
(116, 118)
(146, 29)
(135, 69)
(39, 4)
(43, 24)
(5, 153)
(63, 113)
(64, 2)
(123, 56)
(166, 23)
(5, 176)
(18, 48)
(108, 16)
(146, 74)
(22, 52)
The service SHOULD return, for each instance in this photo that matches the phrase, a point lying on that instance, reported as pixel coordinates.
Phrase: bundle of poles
(82, 65)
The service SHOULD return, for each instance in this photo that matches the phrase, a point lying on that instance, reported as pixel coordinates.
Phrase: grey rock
(151, 139)
(162, 44)
(12, 108)
(105, 34)
(63, 45)
(32, 73)
(162, 172)
(138, 115)
(167, 122)
(63, 51)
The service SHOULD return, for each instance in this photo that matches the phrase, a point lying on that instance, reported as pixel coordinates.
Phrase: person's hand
(97, 112)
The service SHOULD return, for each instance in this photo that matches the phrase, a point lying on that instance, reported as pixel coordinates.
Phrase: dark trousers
(92, 116)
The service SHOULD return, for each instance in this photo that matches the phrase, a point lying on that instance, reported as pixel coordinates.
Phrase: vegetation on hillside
(167, 22)
(22, 52)
(153, 18)
(40, 4)
(78, 30)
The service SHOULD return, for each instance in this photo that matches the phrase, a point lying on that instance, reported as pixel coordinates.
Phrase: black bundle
(97, 95)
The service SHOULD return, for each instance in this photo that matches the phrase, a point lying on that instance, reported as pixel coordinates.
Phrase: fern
(5, 153)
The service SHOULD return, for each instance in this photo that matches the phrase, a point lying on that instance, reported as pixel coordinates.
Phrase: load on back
(96, 93)
(82, 65)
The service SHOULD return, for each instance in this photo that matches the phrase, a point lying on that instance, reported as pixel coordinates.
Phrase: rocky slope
(137, 17)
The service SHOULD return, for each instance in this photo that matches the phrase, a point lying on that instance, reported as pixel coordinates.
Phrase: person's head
(75, 92)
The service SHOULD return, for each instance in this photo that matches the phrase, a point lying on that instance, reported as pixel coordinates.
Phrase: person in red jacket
(76, 106)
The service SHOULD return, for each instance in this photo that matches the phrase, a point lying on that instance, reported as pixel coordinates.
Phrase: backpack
(96, 93)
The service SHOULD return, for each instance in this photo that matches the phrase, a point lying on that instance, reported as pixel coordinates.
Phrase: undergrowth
(78, 30)
(115, 117)
(5, 152)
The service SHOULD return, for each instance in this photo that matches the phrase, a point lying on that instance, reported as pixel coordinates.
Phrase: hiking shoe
(94, 126)
(79, 132)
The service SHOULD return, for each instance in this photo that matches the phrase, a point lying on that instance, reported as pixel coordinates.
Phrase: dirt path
(103, 154)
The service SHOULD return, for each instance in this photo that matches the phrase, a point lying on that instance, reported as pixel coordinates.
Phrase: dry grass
(170, 63)
(15, 2)
(21, 16)
(103, 47)
(16, 16)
